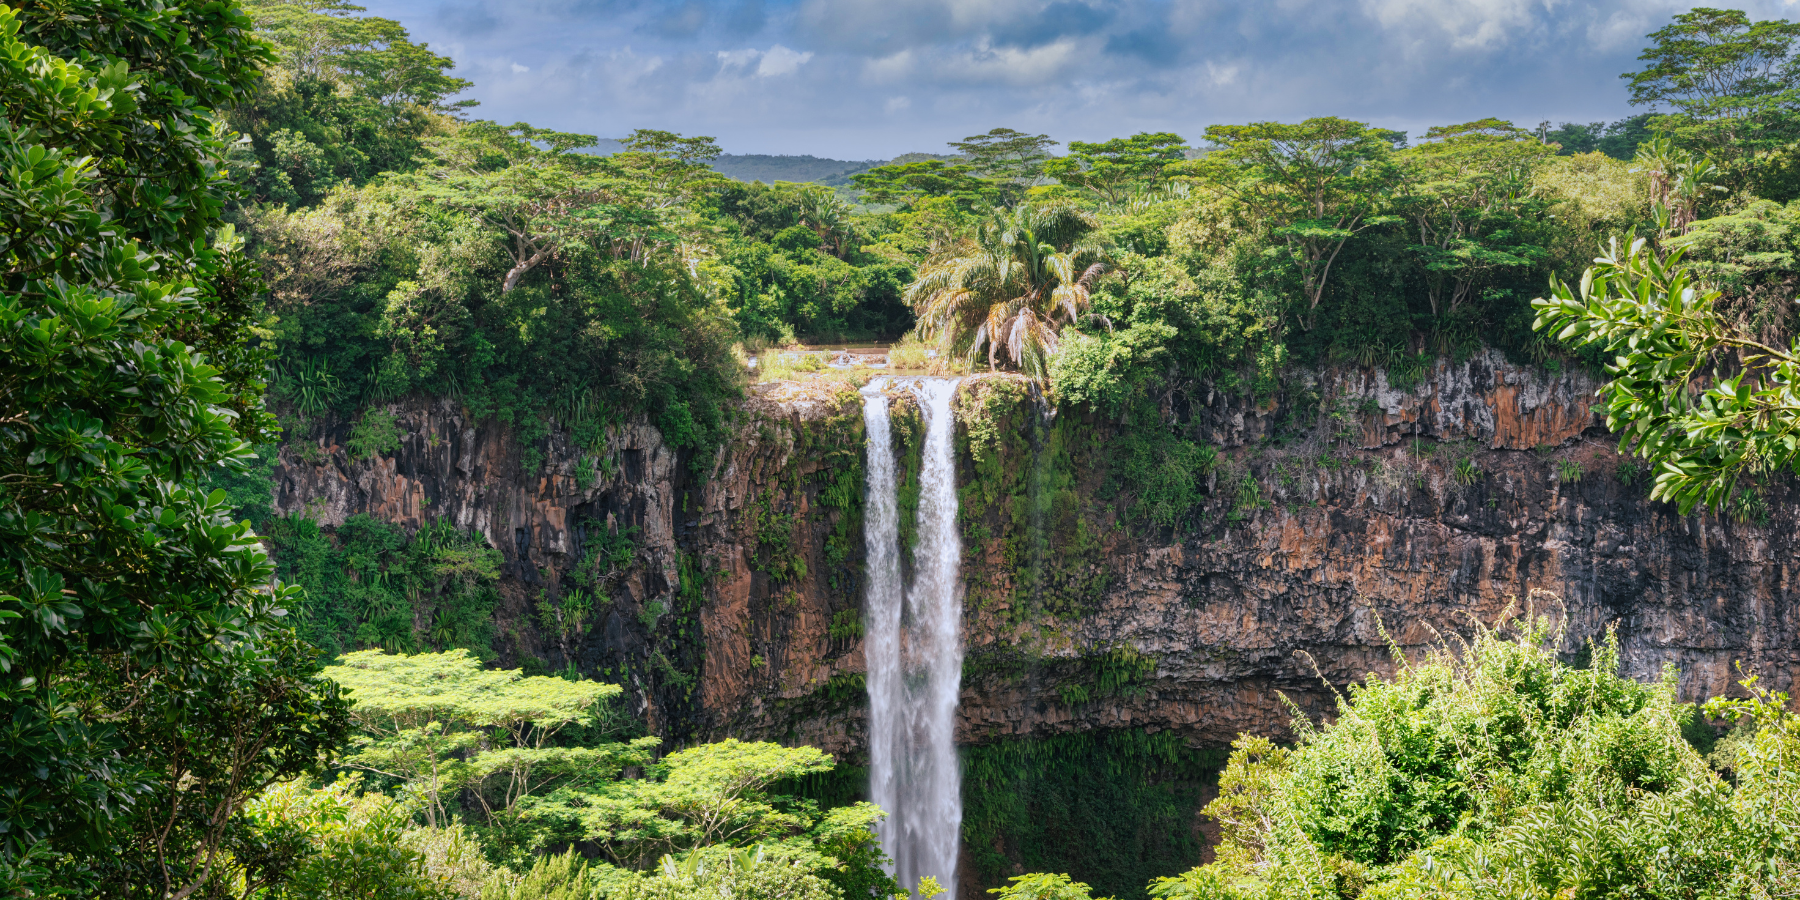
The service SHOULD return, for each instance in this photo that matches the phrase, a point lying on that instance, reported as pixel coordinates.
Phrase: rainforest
(401, 503)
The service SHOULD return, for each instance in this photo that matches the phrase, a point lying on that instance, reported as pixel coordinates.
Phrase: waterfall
(914, 646)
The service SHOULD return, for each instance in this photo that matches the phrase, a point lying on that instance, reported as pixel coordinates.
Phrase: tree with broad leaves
(1313, 185)
(151, 686)
(1713, 410)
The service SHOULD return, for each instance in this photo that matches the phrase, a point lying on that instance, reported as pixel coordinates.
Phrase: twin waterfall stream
(913, 643)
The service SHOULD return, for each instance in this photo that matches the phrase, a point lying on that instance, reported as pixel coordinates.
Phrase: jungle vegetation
(225, 219)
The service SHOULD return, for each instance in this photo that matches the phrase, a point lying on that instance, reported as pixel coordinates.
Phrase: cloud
(781, 61)
(1466, 24)
(869, 78)
(771, 63)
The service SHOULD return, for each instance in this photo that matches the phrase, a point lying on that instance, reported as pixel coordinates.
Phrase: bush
(1500, 771)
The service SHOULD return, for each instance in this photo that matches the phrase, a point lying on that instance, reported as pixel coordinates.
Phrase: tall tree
(1729, 83)
(1013, 158)
(1314, 185)
(347, 97)
(151, 687)
(1469, 197)
(1111, 170)
(1029, 275)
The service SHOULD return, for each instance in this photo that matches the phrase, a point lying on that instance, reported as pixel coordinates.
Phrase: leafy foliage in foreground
(1496, 769)
(1709, 406)
(1500, 771)
(485, 758)
(151, 688)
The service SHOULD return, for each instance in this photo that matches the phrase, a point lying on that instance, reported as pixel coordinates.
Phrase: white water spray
(914, 646)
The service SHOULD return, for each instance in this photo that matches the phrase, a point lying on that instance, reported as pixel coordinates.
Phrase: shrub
(1497, 770)
(377, 434)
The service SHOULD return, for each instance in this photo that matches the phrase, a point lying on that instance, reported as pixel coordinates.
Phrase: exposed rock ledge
(1342, 542)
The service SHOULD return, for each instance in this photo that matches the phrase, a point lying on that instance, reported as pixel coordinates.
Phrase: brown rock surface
(1346, 537)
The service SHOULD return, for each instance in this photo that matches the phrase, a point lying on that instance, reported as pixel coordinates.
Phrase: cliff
(1348, 515)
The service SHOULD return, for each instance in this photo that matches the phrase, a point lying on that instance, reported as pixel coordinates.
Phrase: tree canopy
(152, 687)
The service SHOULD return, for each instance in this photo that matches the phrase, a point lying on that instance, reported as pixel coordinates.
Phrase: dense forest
(227, 222)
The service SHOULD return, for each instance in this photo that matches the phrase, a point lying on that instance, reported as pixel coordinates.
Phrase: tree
(699, 802)
(1111, 170)
(1680, 183)
(529, 182)
(151, 685)
(1029, 274)
(1727, 78)
(1043, 886)
(549, 198)
(1314, 185)
(342, 843)
(348, 97)
(442, 723)
(906, 184)
(1618, 140)
(1713, 410)
(1013, 158)
(1470, 201)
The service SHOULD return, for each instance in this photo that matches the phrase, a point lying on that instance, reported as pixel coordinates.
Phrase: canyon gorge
(1344, 523)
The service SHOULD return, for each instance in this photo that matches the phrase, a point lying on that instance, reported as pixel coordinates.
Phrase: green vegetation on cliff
(169, 734)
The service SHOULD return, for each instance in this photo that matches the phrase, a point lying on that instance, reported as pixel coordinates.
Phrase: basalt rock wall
(1346, 517)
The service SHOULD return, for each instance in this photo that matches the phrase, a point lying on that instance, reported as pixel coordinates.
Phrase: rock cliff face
(1351, 507)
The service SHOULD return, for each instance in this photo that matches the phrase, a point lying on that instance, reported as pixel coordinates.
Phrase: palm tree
(1028, 276)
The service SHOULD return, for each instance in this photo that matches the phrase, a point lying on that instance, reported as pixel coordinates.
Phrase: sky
(871, 79)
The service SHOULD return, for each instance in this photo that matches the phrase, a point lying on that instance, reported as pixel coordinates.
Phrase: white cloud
(771, 63)
(896, 104)
(781, 61)
(1469, 24)
(520, 70)
(737, 59)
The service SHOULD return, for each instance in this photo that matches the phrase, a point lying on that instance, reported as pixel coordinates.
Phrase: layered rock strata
(1352, 518)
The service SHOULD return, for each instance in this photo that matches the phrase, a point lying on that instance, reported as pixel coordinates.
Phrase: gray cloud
(872, 78)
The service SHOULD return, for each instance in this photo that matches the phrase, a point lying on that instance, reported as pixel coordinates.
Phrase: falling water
(913, 646)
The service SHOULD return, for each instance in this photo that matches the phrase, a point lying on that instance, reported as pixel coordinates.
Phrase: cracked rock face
(1408, 516)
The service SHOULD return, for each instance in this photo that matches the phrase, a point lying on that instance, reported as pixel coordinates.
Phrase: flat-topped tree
(432, 720)
(1314, 185)
(1011, 158)
(907, 184)
(1469, 198)
(1112, 170)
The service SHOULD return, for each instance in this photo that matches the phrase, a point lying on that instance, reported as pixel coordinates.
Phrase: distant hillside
(770, 169)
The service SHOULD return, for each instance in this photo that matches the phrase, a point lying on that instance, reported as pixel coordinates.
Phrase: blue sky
(870, 79)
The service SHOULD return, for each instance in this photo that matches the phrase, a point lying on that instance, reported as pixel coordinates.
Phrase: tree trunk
(518, 271)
